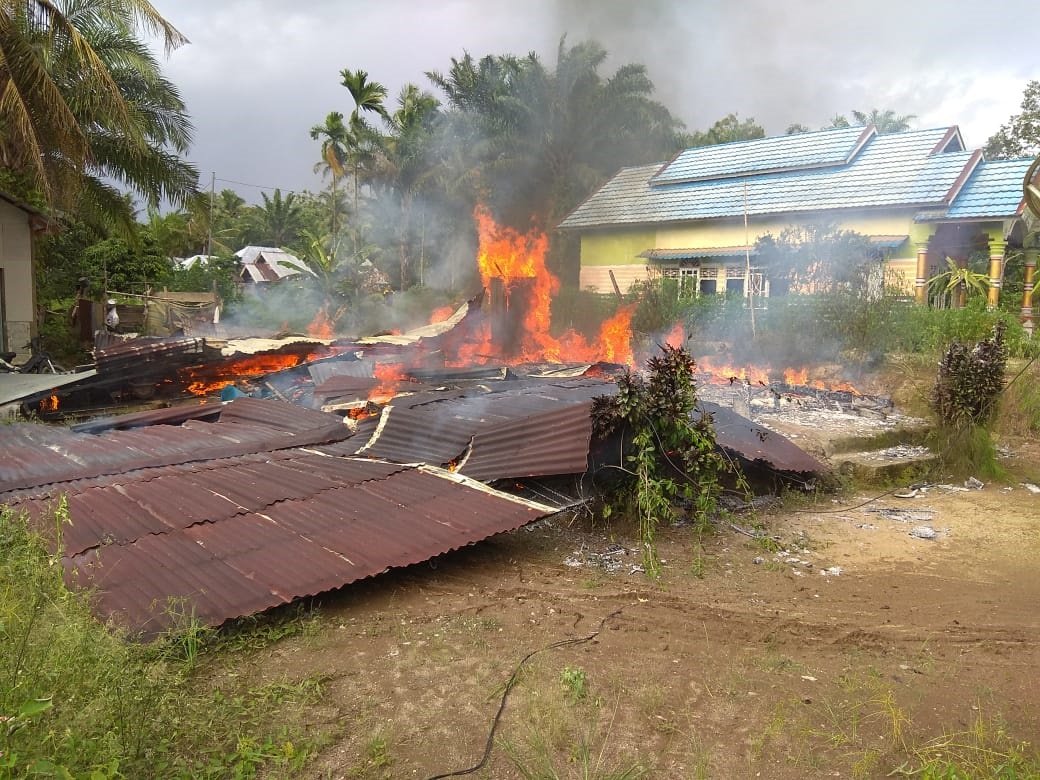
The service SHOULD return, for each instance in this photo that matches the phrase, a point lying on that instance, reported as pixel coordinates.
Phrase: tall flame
(513, 269)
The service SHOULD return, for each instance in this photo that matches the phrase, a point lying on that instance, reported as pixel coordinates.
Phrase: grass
(79, 700)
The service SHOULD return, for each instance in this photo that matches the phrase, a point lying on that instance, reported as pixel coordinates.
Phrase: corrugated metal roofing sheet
(236, 536)
(761, 155)
(993, 190)
(34, 455)
(524, 428)
(891, 170)
(741, 436)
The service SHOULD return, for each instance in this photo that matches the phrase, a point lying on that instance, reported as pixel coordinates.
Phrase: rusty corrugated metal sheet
(237, 536)
(135, 357)
(741, 436)
(521, 428)
(33, 455)
(173, 415)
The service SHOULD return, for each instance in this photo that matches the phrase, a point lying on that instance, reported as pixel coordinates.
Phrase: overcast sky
(259, 73)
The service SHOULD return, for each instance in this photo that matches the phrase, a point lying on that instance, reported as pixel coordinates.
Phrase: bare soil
(725, 667)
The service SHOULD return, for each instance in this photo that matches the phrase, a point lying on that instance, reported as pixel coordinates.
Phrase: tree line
(91, 131)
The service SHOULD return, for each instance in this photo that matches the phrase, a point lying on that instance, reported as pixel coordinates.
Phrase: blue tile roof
(765, 155)
(993, 190)
(891, 171)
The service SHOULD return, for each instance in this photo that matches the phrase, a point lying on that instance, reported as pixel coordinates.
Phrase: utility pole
(748, 281)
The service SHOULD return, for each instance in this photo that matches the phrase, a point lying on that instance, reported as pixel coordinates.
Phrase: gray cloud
(257, 76)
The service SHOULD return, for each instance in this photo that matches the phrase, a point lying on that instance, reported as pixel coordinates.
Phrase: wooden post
(996, 271)
(1027, 290)
(921, 281)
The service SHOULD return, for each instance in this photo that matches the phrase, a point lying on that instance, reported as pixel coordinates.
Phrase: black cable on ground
(509, 687)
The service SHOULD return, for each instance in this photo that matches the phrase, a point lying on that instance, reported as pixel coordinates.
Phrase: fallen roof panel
(16, 387)
(523, 428)
(151, 542)
(741, 436)
(34, 455)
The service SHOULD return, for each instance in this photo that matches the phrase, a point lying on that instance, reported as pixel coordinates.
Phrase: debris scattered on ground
(923, 532)
(611, 560)
(1035, 489)
(898, 452)
(831, 571)
(903, 515)
(974, 484)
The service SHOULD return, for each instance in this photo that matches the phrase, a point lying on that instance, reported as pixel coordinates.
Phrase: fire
(796, 376)
(724, 372)
(49, 404)
(321, 326)
(203, 380)
(676, 336)
(520, 289)
(440, 314)
(390, 376)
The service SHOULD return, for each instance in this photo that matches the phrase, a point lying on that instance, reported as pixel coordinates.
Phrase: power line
(257, 186)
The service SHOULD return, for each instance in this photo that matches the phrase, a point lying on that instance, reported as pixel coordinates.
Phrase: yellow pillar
(921, 282)
(996, 270)
(1027, 290)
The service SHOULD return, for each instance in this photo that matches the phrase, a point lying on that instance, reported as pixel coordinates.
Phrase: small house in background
(919, 196)
(18, 222)
(265, 264)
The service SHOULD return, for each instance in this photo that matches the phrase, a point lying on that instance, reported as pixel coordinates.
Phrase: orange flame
(523, 290)
(49, 404)
(321, 326)
(203, 380)
(390, 376)
(676, 336)
(440, 314)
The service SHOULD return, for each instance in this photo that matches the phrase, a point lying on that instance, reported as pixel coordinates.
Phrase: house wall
(19, 293)
(619, 249)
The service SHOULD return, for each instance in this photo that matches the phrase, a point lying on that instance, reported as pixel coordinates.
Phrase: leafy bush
(672, 457)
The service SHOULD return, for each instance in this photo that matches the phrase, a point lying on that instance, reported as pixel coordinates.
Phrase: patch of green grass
(986, 749)
(376, 760)
(575, 683)
(86, 702)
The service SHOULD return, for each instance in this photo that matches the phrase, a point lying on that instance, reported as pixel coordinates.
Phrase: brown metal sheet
(741, 436)
(519, 429)
(231, 537)
(35, 455)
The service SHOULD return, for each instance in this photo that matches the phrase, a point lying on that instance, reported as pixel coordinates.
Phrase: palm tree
(335, 139)
(83, 103)
(886, 121)
(278, 221)
(406, 165)
(364, 141)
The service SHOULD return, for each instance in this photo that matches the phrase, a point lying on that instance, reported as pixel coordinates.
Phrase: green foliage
(127, 268)
(955, 277)
(575, 683)
(86, 105)
(672, 457)
(726, 130)
(220, 273)
(819, 258)
(1020, 136)
(79, 701)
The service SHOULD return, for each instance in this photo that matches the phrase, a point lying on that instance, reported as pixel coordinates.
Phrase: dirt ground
(742, 661)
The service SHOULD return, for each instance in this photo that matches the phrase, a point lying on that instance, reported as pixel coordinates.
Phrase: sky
(258, 74)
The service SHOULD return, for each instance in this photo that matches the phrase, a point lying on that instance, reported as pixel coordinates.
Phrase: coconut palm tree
(278, 222)
(887, 121)
(83, 104)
